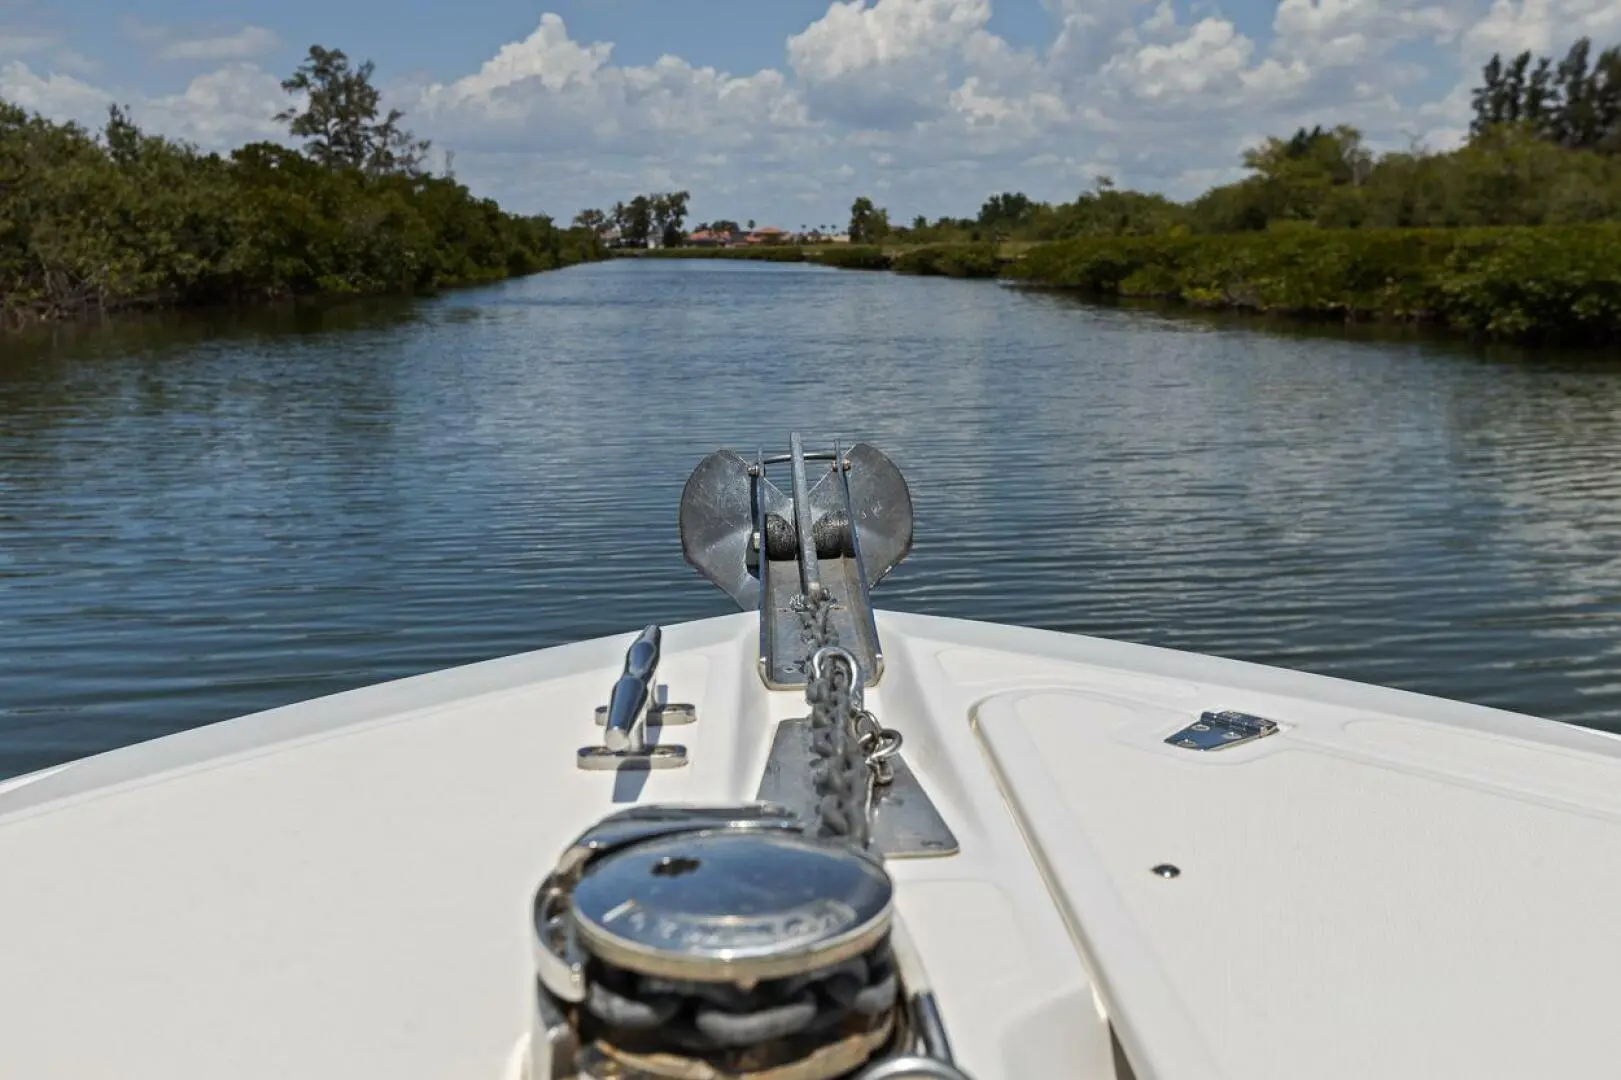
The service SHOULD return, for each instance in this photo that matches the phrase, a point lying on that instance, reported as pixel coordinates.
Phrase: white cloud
(894, 63)
(246, 43)
(1543, 26)
(62, 97)
(553, 93)
(1209, 58)
(168, 43)
(1376, 24)
(217, 111)
(547, 56)
(853, 38)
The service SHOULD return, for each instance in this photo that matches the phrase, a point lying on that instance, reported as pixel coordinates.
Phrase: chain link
(852, 748)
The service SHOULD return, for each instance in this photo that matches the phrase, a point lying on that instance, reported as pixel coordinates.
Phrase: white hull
(1391, 886)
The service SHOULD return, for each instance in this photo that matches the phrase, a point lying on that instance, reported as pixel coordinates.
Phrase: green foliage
(339, 120)
(851, 256)
(1010, 209)
(647, 216)
(1576, 104)
(1510, 283)
(132, 220)
(868, 224)
(950, 260)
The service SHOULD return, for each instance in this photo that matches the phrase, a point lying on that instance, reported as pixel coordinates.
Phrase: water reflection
(205, 516)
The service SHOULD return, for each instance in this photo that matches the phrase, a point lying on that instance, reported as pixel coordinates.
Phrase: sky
(784, 111)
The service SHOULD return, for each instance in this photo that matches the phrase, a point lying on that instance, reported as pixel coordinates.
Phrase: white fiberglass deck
(1391, 886)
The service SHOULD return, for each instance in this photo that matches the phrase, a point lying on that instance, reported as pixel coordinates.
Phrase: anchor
(846, 523)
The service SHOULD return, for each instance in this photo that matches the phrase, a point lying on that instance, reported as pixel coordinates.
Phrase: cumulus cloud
(916, 99)
(171, 44)
(217, 111)
(1512, 26)
(57, 95)
(250, 41)
(893, 63)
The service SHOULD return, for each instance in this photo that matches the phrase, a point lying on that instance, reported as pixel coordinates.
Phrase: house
(708, 238)
(766, 234)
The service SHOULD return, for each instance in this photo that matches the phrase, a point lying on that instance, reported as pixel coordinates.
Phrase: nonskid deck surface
(1388, 886)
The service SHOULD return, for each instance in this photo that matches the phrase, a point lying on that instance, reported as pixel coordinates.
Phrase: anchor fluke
(845, 524)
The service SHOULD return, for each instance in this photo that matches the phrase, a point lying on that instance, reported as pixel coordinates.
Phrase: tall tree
(636, 225)
(1607, 101)
(595, 220)
(339, 121)
(1541, 101)
(1487, 98)
(669, 211)
(122, 137)
(1576, 120)
(868, 223)
(1008, 208)
(1514, 86)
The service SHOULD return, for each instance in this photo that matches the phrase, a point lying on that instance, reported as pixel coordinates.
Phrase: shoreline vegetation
(1532, 283)
(120, 220)
(1514, 236)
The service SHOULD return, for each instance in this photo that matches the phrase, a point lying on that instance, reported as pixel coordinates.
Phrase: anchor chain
(851, 747)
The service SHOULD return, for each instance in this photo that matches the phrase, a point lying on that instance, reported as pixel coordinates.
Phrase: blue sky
(785, 110)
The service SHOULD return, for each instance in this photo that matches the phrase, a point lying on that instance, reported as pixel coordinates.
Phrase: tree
(751, 224)
(636, 220)
(1514, 86)
(868, 224)
(595, 220)
(1006, 209)
(1487, 97)
(669, 211)
(1541, 101)
(1575, 126)
(122, 137)
(339, 121)
(1607, 101)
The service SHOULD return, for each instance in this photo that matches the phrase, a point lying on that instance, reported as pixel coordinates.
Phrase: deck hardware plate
(658, 715)
(905, 822)
(1219, 730)
(600, 758)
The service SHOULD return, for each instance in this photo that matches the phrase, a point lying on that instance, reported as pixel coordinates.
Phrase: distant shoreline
(1512, 284)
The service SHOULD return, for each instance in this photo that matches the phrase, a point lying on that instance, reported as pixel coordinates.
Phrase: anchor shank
(810, 583)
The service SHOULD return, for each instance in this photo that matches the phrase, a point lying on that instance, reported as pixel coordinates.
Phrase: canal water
(206, 516)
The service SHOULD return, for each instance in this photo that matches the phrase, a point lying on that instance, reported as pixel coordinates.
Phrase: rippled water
(205, 517)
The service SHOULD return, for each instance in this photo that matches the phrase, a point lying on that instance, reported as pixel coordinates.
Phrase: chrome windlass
(678, 942)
